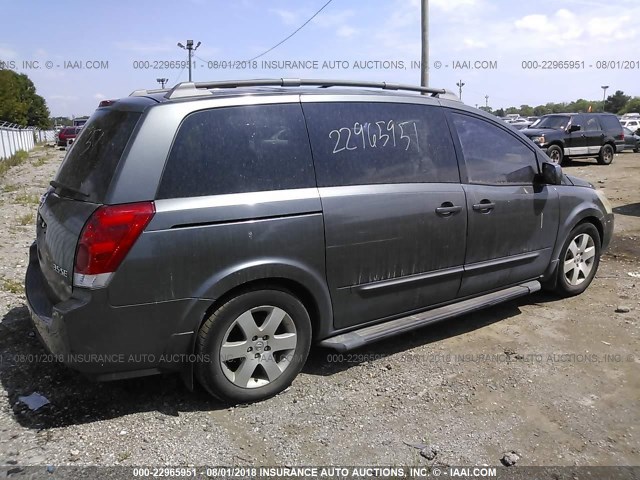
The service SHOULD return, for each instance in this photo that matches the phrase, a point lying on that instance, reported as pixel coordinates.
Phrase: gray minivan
(220, 229)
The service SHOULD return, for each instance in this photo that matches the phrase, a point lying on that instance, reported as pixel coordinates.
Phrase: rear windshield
(90, 164)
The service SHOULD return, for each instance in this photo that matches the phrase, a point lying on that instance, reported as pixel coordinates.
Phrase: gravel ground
(554, 380)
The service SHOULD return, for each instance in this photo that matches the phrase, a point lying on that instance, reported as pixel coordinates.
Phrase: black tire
(565, 286)
(555, 153)
(606, 155)
(222, 378)
(636, 150)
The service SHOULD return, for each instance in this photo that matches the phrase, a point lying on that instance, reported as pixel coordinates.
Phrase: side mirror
(551, 173)
(574, 128)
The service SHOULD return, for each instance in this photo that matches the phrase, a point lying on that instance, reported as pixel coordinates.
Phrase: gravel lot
(555, 380)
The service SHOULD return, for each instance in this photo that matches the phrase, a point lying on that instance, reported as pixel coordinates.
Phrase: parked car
(67, 135)
(631, 140)
(220, 229)
(565, 135)
(633, 125)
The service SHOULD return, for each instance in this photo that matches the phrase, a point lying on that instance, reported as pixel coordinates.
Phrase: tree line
(19, 102)
(618, 103)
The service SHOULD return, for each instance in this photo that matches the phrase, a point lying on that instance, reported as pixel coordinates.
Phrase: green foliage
(19, 102)
(64, 121)
(632, 105)
(616, 102)
(18, 158)
(12, 286)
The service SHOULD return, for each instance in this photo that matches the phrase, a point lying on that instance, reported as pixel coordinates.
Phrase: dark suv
(220, 229)
(564, 135)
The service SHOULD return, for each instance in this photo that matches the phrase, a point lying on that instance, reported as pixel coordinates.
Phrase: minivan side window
(239, 149)
(492, 155)
(357, 143)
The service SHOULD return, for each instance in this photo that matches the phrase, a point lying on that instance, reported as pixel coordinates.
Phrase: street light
(604, 94)
(190, 49)
(460, 84)
(162, 81)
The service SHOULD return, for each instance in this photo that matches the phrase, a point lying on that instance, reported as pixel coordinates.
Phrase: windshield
(90, 164)
(553, 121)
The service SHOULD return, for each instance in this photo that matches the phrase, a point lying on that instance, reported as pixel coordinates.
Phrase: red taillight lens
(109, 235)
(621, 136)
(106, 103)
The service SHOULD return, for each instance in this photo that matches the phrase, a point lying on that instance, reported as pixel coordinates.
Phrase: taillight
(106, 239)
(106, 103)
(621, 136)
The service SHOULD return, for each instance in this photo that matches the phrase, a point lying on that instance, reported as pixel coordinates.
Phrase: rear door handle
(447, 209)
(484, 206)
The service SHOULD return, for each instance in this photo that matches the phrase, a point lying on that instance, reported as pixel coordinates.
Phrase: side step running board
(366, 335)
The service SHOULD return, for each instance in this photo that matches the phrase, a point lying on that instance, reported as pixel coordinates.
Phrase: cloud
(288, 17)
(166, 46)
(7, 53)
(346, 31)
(99, 96)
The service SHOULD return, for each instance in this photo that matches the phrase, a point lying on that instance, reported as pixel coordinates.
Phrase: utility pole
(604, 95)
(162, 81)
(190, 49)
(424, 61)
(486, 101)
(460, 84)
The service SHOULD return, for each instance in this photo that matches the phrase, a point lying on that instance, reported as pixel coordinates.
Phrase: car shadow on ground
(75, 399)
(26, 368)
(631, 210)
(324, 361)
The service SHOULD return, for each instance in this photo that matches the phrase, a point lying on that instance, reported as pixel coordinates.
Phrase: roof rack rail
(192, 89)
(143, 92)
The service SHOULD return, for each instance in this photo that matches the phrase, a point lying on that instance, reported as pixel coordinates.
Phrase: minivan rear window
(90, 164)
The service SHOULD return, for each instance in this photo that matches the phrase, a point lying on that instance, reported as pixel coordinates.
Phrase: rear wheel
(253, 346)
(556, 154)
(579, 260)
(606, 155)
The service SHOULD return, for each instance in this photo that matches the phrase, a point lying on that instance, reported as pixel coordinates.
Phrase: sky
(497, 48)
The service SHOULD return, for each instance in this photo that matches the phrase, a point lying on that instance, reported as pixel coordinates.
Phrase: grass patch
(28, 199)
(26, 219)
(12, 286)
(40, 161)
(10, 188)
(17, 159)
(122, 456)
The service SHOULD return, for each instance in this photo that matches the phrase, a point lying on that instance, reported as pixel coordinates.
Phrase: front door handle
(447, 209)
(485, 206)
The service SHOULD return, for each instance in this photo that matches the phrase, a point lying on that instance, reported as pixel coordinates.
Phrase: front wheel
(253, 346)
(555, 153)
(579, 260)
(606, 155)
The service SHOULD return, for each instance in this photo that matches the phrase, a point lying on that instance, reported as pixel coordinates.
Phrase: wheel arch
(308, 286)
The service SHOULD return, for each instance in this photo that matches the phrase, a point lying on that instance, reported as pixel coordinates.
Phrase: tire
(636, 150)
(253, 346)
(555, 153)
(579, 260)
(606, 155)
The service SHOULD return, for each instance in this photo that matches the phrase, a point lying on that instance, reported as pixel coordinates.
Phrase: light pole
(424, 60)
(162, 81)
(460, 84)
(190, 49)
(486, 101)
(604, 94)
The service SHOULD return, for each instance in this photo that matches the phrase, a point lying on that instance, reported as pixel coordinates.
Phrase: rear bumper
(91, 336)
